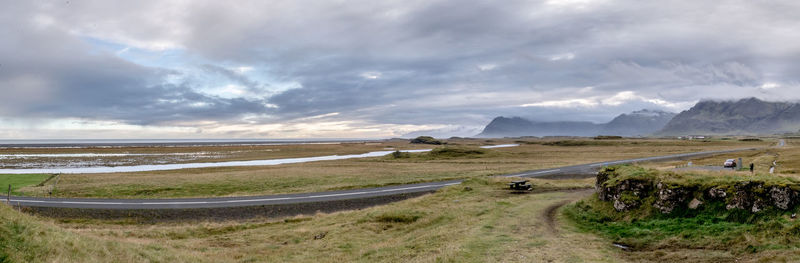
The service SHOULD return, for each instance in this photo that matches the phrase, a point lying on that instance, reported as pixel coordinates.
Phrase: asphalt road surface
(288, 199)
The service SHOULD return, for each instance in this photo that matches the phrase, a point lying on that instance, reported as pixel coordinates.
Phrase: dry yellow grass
(25, 238)
(483, 224)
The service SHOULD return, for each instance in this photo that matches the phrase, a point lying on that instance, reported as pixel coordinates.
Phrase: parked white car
(730, 163)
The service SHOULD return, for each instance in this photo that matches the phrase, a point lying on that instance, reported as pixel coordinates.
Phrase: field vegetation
(460, 159)
(477, 221)
(713, 232)
(17, 181)
(26, 238)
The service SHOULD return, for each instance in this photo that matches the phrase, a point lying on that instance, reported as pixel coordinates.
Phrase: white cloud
(568, 103)
(617, 99)
(565, 56)
(769, 85)
(371, 75)
(487, 67)
(243, 69)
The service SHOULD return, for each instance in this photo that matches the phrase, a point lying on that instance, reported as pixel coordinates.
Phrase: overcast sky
(358, 69)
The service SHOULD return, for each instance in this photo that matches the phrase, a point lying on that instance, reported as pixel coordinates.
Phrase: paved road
(284, 199)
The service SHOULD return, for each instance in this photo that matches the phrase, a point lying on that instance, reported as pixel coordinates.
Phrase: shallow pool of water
(176, 166)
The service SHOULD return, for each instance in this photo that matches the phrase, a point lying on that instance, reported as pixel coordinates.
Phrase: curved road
(303, 198)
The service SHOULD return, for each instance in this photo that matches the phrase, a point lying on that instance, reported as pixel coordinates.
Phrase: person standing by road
(752, 166)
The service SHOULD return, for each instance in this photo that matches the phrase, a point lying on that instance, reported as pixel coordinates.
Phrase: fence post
(8, 197)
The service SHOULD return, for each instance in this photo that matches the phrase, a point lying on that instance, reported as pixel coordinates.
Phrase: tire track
(550, 214)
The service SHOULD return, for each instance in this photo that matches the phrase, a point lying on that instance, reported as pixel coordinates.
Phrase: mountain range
(743, 117)
(637, 123)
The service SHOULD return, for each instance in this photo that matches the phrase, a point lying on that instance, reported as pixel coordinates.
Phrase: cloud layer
(379, 69)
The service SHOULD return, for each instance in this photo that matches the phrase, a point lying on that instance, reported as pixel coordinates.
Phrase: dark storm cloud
(405, 62)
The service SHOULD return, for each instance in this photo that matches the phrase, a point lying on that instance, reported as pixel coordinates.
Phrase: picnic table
(520, 185)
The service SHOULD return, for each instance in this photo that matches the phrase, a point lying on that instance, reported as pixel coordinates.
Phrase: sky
(376, 69)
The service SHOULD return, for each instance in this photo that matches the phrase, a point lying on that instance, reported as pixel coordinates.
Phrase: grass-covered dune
(25, 238)
(697, 217)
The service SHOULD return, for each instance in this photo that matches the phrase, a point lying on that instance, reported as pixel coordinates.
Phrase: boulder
(669, 197)
(694, 204)
(781, 197)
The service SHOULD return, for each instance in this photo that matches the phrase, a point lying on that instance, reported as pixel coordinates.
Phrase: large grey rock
(670, 197)
(781, 196)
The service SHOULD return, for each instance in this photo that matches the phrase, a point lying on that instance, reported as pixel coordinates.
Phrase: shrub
(750, 140)
(456, 152)
(607, 137)
(567, 143)
(398, 154)
(399, 217)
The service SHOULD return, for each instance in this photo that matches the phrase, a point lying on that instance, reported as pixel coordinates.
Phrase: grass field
(369, 172)
(18, 181)
(478, 221)
(25, 238)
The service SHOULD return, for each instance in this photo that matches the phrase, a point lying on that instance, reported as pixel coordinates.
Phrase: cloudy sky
(364, 69)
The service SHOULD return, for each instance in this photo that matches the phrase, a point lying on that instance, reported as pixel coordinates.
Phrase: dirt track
(550, 214)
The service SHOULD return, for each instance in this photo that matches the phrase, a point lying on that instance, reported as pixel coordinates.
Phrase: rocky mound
(629, 188)
(426, 140)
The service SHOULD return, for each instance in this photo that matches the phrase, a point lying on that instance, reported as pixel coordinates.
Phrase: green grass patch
(457, 152)
(443, 153)
(18, 181)
(713, 228)
(399, 217)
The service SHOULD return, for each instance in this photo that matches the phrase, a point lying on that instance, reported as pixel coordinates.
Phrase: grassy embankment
(379, 171)
(478, 221)
(25, 238)
(710, 233)
(17, 181)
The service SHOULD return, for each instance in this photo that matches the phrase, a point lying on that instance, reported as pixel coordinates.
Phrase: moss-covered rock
(629, 187)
